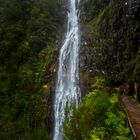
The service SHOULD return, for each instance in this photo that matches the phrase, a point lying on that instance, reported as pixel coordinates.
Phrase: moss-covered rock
(112, 39)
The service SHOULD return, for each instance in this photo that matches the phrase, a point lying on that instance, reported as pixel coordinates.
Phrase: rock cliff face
(111, 39)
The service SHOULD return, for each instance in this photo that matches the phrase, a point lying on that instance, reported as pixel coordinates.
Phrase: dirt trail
(132, 109)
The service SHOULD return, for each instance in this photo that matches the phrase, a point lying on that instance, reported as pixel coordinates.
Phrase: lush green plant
(28, 30)
(99, 117)
(114, 126)
(39, 133)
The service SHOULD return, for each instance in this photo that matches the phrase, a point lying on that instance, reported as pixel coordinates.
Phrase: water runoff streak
(67, 90)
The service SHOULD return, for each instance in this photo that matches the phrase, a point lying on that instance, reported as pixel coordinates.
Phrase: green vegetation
(99, 117)
(28, 30)
(112, 53)
(112, 38)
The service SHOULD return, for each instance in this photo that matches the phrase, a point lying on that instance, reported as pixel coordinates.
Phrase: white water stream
(67, 90)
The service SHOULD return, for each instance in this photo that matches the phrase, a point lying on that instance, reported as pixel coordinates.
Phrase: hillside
(31, 35)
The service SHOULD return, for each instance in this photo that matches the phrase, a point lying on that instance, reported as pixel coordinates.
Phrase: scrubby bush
(99, 117)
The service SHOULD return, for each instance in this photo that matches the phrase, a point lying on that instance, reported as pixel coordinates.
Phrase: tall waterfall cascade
(67, 90)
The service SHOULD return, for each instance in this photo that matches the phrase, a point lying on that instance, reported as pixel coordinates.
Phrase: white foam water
(67, 90)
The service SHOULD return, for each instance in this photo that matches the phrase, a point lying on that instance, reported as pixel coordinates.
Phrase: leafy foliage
(28, 30)
(99, 117)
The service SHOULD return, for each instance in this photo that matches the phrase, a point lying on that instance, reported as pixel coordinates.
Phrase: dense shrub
(28, 31)
(99, 117)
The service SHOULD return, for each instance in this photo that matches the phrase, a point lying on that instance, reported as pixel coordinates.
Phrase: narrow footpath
(132, 109)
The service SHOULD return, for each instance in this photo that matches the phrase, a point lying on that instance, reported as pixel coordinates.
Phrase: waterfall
(67, 90)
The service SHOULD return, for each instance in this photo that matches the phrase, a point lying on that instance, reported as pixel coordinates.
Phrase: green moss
(43, 64)
(39, 133)
(99, 84)
(112, 40)
(137, 73)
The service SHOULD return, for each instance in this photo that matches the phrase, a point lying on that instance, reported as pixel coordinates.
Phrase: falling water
(67, 90)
